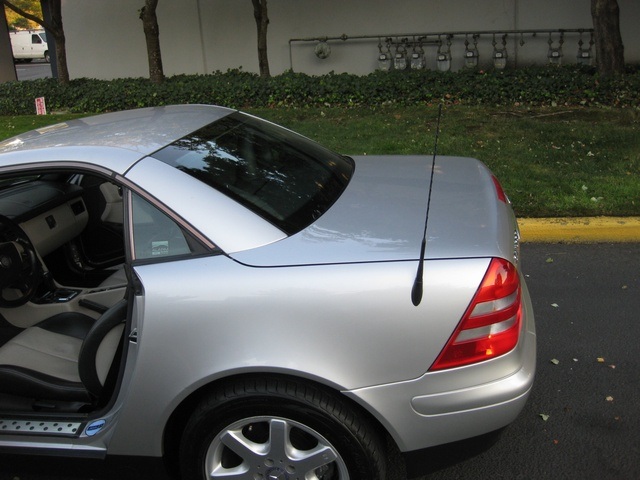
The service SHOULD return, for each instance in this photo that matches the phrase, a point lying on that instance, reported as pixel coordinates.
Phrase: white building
(105, 39)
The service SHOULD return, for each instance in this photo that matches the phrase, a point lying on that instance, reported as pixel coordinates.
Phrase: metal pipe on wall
(424, 36)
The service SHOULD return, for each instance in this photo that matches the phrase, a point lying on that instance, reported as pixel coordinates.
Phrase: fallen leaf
(549, 260)
(555, 305)
(555, 442)
(555, 361)
(600, 360)
(544, 416)
(624, 287)
(609, 398)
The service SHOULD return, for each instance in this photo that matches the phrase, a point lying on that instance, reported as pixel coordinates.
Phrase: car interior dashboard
(73, 224)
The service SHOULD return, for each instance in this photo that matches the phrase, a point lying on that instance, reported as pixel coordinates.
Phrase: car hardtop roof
(143, 130)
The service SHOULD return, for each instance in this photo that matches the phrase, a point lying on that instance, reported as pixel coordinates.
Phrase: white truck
(29, 44)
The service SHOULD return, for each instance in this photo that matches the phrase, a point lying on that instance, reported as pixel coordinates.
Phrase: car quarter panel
(347, 326)
(446, 406)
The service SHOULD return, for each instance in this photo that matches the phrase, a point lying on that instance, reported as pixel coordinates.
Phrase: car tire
(279, 428)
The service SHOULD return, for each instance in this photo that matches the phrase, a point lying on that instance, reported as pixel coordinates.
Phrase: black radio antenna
(418, 288)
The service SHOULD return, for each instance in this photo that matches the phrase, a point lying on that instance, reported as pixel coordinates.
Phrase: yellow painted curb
(576, 230)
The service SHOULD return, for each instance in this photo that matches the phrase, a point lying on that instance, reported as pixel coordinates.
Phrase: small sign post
(41, 108)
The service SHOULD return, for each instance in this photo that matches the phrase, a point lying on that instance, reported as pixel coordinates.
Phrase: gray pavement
(33, 70)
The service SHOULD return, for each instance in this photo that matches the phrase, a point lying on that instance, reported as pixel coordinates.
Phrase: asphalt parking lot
(582, 418)
(33, 70)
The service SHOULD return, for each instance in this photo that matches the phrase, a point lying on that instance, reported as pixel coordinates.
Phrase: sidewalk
(580, 230)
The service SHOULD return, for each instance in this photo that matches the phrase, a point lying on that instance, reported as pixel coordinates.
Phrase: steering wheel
(20, 269)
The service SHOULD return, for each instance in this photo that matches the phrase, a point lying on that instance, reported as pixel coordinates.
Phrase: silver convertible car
(197, 286)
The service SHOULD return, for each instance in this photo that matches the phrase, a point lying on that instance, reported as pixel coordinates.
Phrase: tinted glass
(155, 236)
(285, 178)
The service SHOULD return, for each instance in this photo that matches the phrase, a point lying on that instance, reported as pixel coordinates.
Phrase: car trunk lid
(380, 216)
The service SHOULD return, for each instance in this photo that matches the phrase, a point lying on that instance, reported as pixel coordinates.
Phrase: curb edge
(580, 230)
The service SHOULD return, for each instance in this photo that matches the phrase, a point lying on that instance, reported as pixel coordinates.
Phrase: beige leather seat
(66, 357)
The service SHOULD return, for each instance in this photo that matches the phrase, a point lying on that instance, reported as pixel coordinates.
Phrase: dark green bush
(534, 86)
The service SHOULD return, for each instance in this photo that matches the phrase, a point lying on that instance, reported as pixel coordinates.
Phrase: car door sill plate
(12, 425)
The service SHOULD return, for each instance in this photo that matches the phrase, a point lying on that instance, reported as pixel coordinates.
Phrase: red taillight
(499, 191)
(491, 325)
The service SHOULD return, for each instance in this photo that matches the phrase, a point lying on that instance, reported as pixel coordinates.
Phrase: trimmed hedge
(533, 86)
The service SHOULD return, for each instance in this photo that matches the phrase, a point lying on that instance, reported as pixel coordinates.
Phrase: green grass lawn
(551, 162)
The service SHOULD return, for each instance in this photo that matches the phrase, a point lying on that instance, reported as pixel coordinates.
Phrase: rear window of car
(285, 178)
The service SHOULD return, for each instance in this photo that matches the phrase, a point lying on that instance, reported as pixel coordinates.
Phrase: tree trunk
(262, 22)
(54, 29)
(152, 36)
(57, 31)
(608, 41)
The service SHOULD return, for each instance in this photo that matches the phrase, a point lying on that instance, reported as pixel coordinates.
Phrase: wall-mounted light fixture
(554, 54)
(384, 56)
(417, 56)
(500, 54)
(322, 50)
(471, 54)
(584, 53)
(400, 58)
(444, 55)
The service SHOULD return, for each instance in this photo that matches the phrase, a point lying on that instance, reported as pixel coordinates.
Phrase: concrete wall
(105, 39)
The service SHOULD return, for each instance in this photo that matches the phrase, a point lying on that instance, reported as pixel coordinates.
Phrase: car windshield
(285, 178)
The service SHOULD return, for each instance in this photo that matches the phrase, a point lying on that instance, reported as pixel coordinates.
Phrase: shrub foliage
(532, 86)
